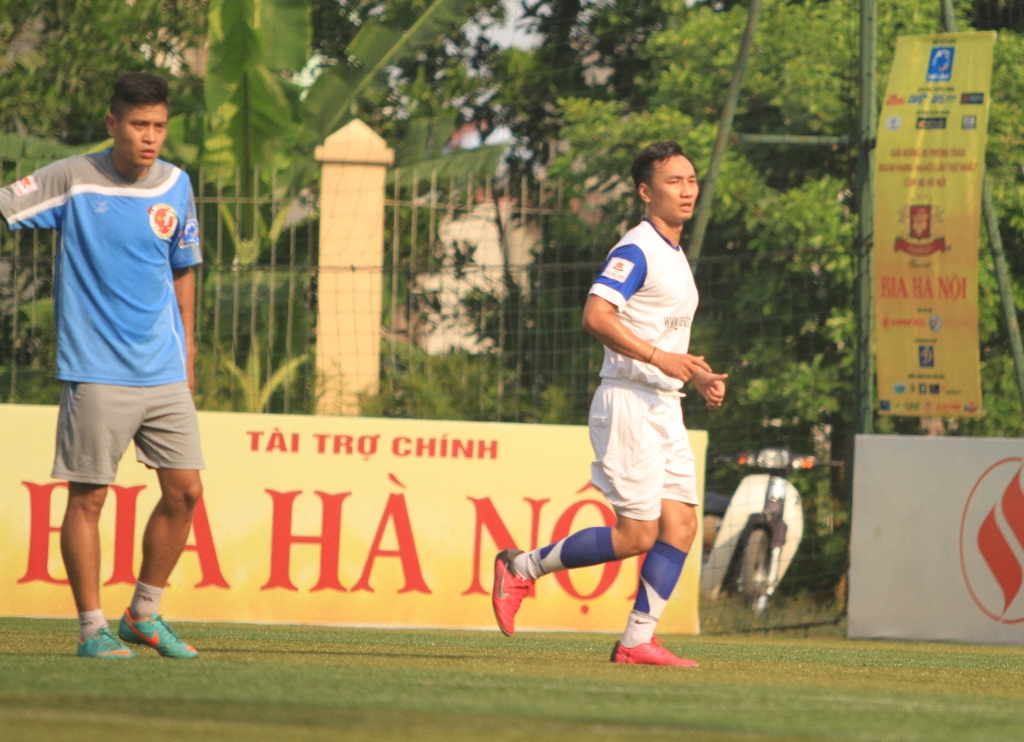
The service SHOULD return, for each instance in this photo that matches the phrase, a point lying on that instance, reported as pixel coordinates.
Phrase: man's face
(139, 133)
(672, 192)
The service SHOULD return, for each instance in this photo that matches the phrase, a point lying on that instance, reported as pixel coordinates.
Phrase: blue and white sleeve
(185, 248)
(37, 201)
(622, 276)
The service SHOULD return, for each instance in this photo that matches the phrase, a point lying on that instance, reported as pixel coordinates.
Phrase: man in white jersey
(123, 302)
(640, 307)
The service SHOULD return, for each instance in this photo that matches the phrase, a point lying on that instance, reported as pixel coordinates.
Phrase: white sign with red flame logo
(937, 543)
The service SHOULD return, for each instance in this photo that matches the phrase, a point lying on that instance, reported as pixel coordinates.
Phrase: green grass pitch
(313, 683)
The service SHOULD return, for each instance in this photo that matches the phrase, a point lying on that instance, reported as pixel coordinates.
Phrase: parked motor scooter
(750, 539)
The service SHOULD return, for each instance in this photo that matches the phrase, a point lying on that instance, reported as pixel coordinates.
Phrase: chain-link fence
(484, 282)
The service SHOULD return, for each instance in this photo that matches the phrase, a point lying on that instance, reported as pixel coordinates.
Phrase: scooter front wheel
(755, 567)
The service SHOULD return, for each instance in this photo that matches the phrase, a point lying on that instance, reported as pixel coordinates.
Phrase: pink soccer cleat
(651, 653)
(508, 591)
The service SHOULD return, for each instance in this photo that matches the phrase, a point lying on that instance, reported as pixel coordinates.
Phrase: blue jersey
(114, 302)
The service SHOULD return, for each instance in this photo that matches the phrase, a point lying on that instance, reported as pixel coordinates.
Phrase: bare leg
(169, 525)
(678, 524)
(631, 537)
(80, 542)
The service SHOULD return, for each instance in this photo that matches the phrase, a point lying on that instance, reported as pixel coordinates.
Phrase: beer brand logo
(992, 542)
(163, 219)
(919, 240)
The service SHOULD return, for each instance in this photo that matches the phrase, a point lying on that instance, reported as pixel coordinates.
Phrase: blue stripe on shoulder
(625, 270)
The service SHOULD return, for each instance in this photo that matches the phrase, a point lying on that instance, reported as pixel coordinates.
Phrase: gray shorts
(97, 421)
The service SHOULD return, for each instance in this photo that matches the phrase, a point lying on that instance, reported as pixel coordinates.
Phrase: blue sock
(658, 578)
(581, 549)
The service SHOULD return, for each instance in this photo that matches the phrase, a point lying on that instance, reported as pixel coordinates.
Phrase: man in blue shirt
(124, 297)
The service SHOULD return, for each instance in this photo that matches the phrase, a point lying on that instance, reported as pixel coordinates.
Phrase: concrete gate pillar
(354, 162)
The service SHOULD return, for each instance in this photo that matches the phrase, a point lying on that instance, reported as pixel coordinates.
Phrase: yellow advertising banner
(930, 160)
(337, 520)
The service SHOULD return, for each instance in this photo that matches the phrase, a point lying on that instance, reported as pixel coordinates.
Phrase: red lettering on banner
(254, 439)
(205, 550)
(276, 442)
(953, 287)
(282, 539)
(124, 534)
(295, 442)
(321, 441)
(401, 446)
(562, 529)
(343, 442)
(396, 511)
(487, 517)
(427, 447)
(485, 447)
(893, 287)
(463, 447)
(922, 287)
(39, 533)
(367, 444)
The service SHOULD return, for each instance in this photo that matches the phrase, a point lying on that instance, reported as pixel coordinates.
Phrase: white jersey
(650, 281)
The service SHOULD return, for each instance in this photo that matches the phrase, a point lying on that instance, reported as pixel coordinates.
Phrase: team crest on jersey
(163, 219)
(618, 269)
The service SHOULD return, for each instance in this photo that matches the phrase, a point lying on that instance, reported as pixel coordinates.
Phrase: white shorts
(642, 449)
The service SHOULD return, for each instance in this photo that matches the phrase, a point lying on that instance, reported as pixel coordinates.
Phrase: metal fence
(484, 284)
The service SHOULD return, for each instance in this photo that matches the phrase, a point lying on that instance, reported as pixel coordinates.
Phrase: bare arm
(185, 292)
(601, 319)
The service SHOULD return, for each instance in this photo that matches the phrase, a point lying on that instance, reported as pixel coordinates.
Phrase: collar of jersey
(658, 232)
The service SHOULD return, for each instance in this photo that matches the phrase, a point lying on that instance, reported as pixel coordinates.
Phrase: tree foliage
(59, 59)
(778, 270)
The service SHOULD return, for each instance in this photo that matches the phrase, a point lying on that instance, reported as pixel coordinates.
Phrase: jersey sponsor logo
(163, 219)
(618, 269)
(677, 323)
(969, 122)
(189, 234)
(972, 99)
(24, 186)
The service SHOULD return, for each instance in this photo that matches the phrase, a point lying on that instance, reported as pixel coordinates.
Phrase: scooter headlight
(773, 458)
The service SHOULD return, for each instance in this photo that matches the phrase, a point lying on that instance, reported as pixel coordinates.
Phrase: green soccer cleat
(104, 645)
(154, 632)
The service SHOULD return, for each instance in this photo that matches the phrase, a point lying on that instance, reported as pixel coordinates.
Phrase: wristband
(651, 356)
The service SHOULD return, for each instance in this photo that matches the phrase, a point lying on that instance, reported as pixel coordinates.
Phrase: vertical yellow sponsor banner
(930, 161)
(337, 520)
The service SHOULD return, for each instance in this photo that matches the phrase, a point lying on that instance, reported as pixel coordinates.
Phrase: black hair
(137, 89)
(643, 165)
